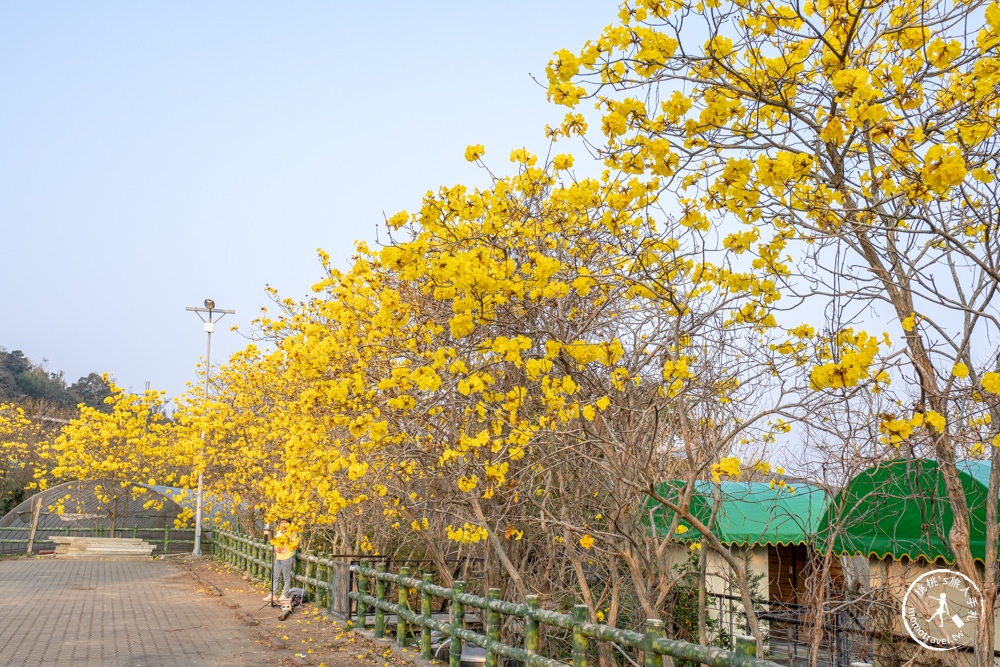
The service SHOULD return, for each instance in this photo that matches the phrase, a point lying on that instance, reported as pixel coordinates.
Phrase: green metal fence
(163, 538)
(326, 579)
(652, 643)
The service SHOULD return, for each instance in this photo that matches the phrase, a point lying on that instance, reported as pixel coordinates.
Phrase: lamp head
(209, 304)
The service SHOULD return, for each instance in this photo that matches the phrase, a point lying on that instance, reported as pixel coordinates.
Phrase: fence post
(329, 596)
(654, 630)
(380, 596)
(319, 600)
(320, 584)
(746, 646)
(579, 641)
(310, 573)
(425, 611)
(327, 589)
(531, 627)
(34, 524)
(166, 539)
(457, 621)
(363, 590)
(492, 627)
(258, 553)
(403, 597)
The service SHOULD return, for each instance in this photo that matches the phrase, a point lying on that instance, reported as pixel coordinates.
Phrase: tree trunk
(114, 515)
(128, 496)
(446, 579)
(896, 282)
(817, 597)
(736, 565)
(703, 572)
(702, 611)
(498, 549)
(986, 627)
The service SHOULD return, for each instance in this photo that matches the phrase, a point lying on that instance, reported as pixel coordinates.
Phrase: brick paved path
(144, 613)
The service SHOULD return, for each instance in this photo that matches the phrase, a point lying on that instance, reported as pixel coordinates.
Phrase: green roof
(751, 513)
(901, 509)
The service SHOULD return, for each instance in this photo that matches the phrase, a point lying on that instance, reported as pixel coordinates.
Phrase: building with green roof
(773, 528)
(750, 513)
(900, 510)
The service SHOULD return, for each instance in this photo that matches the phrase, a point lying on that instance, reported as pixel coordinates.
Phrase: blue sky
(155, 154)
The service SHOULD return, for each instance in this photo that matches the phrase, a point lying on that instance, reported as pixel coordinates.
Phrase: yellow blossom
(473, 153)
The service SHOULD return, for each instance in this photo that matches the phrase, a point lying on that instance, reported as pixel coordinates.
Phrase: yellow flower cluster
(467, 534)
(729, 466)
(857, 353)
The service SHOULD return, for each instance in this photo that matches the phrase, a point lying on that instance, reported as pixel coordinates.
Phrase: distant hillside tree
(91, 391)
(22, 380)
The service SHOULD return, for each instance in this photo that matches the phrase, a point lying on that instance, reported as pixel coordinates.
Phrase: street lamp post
(209, 328)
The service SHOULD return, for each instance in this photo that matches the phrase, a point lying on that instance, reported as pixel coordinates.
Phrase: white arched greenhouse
(161, 515)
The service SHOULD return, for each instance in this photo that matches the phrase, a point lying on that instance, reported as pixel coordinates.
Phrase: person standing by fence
(285, 543)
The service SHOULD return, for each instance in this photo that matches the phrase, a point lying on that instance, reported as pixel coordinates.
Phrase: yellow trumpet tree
(849, 148)
(235, 439)
(21, 440)
(518, 367)
(453, 392)
(118, 450)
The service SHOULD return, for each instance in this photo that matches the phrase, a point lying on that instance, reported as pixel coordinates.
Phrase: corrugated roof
(901, 509)
(83, 510)
(751, 513)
